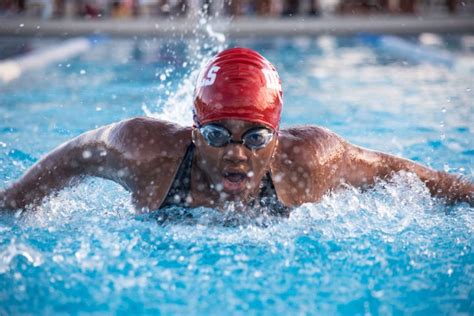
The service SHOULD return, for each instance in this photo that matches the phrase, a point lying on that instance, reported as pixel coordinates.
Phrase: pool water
(391, 250)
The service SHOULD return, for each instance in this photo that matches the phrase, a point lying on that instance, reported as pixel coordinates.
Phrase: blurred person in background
(291, 7)
(40, 8)
(236, 7)
(8, 7)
(452, 6)
(263, 7)
(122, 8)
(148, 8)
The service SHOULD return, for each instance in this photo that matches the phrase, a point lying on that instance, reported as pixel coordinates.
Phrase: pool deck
(240, 27)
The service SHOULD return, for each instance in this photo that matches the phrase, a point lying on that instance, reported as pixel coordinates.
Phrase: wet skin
(232, 172)
(144, 154)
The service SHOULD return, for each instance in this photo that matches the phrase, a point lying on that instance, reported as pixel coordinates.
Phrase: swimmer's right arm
(88, 154)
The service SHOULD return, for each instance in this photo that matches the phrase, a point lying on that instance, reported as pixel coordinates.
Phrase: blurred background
(106, 9)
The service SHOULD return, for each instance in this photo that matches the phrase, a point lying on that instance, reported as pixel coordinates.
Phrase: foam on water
(342, 249)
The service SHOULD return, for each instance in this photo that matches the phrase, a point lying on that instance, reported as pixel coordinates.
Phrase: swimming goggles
(219, 136)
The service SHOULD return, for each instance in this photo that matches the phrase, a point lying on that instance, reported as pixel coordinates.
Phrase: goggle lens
(218, 136)
(215, 136)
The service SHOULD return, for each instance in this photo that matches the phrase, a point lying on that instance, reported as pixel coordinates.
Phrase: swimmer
(235, 151)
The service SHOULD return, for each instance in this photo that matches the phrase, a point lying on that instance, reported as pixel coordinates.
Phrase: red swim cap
(238, 83)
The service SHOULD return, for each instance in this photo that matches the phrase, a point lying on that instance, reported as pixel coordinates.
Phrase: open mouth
(234, 176)
(234, 181)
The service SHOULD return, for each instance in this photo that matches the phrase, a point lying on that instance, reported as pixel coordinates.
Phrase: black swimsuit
(179, 193)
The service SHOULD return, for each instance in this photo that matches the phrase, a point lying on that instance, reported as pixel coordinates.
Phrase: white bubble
(121, 173)
(86, 154)
(278, 178)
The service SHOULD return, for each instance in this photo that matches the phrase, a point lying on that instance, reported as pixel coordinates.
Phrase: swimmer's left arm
(364, 167)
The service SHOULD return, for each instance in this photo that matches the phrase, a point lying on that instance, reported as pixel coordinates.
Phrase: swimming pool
(390, 250)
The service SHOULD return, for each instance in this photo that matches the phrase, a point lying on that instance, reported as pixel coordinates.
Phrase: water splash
(17, 249)
(177, 107)
(89, 241)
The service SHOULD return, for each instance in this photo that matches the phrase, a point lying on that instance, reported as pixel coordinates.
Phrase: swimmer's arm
(87, 154)
(363, 167)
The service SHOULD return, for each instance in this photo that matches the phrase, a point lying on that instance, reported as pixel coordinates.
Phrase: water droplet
(86, 154)
(257, 274)
(162, 77)
(82, 72)
(21, 25)
(446, 168)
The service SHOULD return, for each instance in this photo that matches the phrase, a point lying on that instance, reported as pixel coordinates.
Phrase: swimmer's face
(235, 170)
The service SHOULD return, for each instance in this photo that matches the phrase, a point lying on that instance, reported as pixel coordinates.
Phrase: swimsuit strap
(268, 198)
(181, 187)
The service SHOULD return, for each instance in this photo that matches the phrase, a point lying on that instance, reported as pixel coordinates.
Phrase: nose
(235, 153)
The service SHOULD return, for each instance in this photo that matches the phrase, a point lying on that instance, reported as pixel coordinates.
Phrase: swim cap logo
(210, 77)
(271, 77)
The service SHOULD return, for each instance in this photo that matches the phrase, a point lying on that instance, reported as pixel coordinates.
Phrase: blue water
(391, 250)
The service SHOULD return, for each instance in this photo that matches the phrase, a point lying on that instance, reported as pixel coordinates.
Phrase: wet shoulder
(317, 143)
(307, 157)
(148, 138)
(150, 153)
